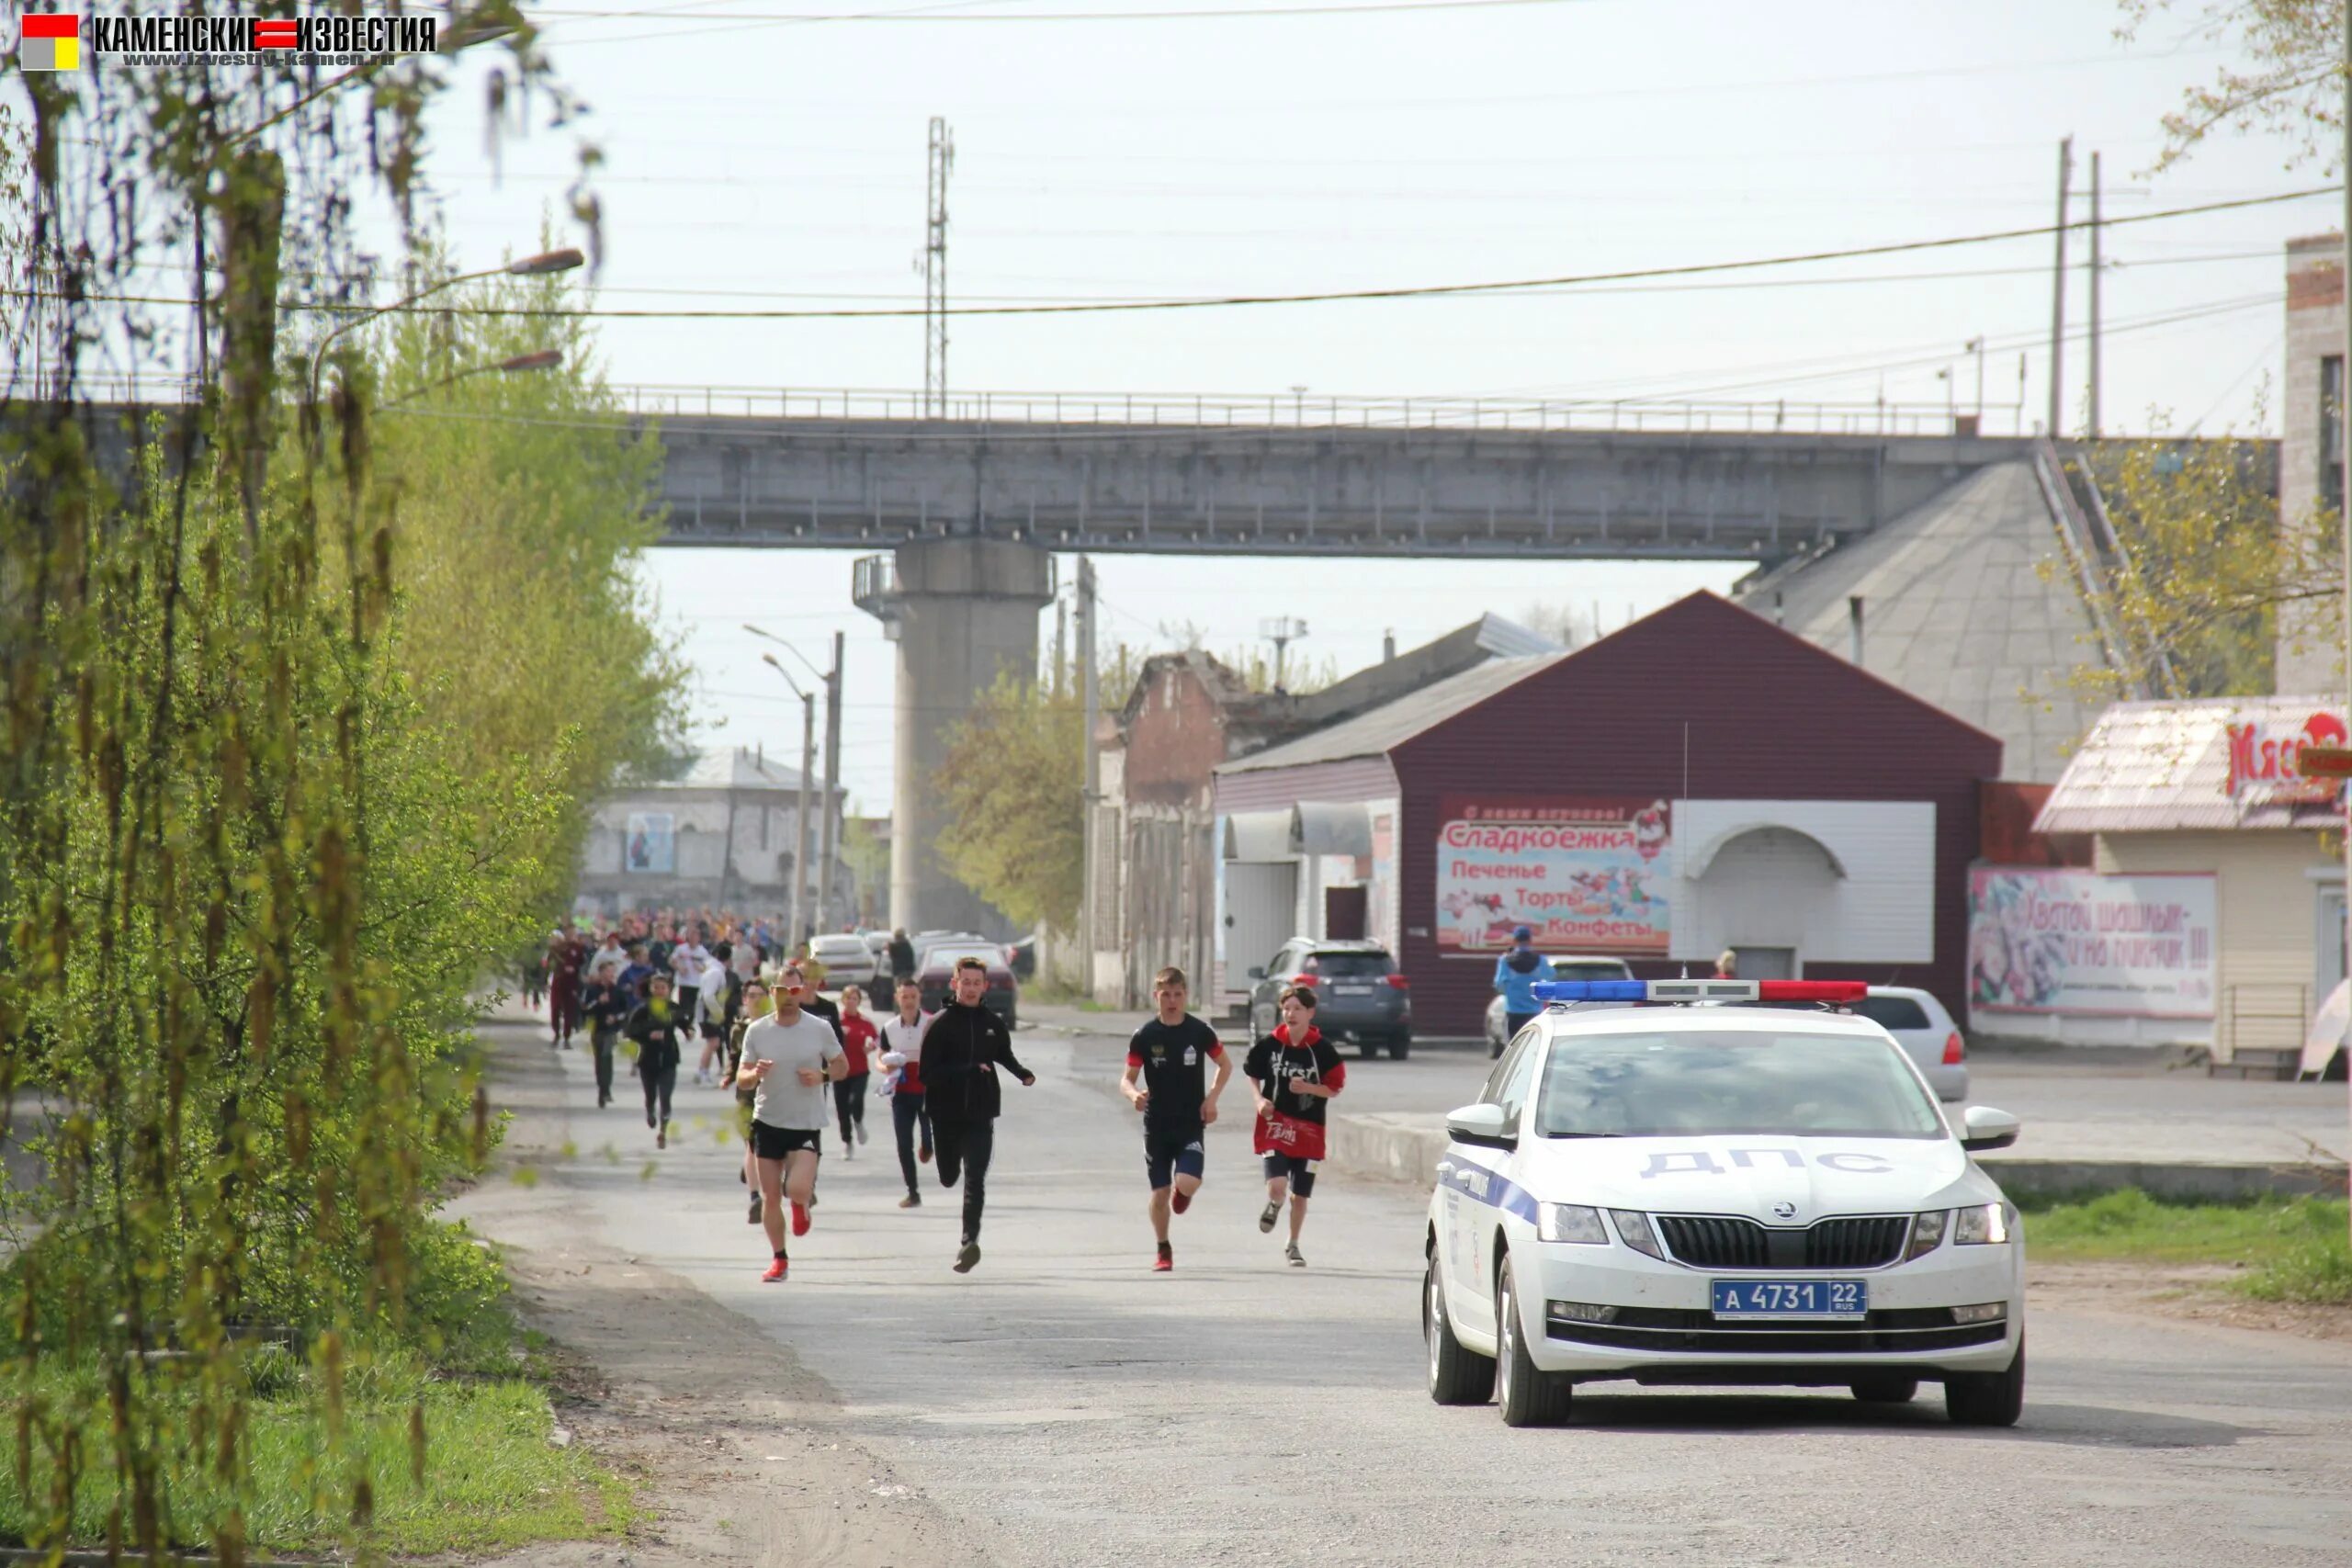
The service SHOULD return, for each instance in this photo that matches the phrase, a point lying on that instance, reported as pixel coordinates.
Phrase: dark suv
(1358, 995)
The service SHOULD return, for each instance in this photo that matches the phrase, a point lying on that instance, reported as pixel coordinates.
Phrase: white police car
(1709, 1195)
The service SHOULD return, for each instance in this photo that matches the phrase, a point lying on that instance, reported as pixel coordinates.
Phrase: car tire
(1885, 1388)
(1529, 1395)
(1457, 1376)
(1400, 1048)
(1987, 1399)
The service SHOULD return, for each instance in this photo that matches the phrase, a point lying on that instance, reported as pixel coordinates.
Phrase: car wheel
(1400, 1048)
(1987, 1399)
(1529, 1395)
(1885, 1388)
(1456, 1376)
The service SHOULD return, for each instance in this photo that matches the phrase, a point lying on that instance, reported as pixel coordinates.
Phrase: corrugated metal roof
(736, 767)
(2157, 767)
(1956, 611)
(1377, 733)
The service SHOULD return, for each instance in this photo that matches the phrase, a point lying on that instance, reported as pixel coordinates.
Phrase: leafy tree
(1015, 801)
(2209, 569)
(2295, 86)
(262, 806)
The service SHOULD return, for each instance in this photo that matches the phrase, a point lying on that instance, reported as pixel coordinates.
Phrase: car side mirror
(1478, 1125)
(1258, 971)
(1984, 1128)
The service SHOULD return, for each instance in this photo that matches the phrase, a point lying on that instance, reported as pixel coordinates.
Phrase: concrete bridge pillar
(961, 610)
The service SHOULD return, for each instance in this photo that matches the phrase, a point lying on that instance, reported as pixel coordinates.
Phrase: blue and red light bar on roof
(1834, 991)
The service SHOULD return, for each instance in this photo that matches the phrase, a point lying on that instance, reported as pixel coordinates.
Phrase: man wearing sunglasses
(789, 1057)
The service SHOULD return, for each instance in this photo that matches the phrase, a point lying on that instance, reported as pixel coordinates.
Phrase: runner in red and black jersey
(1293, 1075)
(1169, 1056)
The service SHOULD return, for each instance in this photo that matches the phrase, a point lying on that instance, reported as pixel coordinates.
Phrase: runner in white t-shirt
(788, 1058)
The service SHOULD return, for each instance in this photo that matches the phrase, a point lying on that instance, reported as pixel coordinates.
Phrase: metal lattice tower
(934, 275)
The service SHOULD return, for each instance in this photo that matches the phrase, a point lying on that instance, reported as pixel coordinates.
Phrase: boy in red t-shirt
(858, 1035)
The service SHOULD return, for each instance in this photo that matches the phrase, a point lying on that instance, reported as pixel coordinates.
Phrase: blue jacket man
(1516, 973)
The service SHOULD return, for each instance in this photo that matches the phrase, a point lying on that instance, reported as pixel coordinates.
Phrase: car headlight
(1570, 1221)
(1633, 1230)
(1927, 1233)
(1983, 1225)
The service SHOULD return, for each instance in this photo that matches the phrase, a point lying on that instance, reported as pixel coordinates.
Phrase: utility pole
(2092, 421)
(934, 274)
(2058, 298)
(830, 856)
(1090, 772)
(2343, 430)
(800, 820)
(1061, 646)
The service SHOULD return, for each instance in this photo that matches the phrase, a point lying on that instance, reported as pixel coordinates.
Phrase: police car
(1709, 1194)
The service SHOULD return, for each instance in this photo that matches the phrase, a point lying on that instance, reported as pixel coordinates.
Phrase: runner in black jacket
(656, 1026)
(961, 1051)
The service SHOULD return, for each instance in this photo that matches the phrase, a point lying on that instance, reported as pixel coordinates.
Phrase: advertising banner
(2076, 942)
(651, 847)
(1585, 876)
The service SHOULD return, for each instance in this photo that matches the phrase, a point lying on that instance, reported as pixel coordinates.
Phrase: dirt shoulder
(2199, 1292)
(734, 1444)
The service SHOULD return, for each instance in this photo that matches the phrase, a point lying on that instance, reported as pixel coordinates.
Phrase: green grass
(2290, 1249)
(491, 1478)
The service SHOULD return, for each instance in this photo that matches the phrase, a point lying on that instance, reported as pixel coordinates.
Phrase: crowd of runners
(798, 1062)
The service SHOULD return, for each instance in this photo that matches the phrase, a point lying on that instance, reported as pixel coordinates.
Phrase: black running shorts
(774, 1143)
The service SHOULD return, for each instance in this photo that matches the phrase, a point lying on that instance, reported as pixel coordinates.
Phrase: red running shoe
(1165, 1262)
(777, 1267)
(799, 1219)
(1180, 1202)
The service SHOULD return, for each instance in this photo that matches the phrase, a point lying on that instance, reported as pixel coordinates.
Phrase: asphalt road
(1067, 1406)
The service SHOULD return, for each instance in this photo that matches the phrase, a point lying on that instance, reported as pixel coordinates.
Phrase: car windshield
(1711, 1082)
(946, 957)
(1350, 965)
(1893, 1013)
(1587, 969)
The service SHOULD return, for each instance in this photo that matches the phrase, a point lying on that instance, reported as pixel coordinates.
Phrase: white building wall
(1767, 883)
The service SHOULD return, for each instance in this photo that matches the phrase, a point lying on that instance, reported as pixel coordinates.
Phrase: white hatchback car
(1719, 1195)
(847, 959)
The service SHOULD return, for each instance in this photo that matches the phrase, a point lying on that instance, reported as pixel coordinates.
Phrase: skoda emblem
(1784, 1211)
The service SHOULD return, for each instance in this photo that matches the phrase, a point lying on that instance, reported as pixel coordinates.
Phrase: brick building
(1156, 840)
(2310, 454)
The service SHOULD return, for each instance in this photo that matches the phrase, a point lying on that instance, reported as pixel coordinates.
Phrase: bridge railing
(1302, 410)
(1294, 409)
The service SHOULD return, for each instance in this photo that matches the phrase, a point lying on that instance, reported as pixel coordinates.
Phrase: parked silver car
(1926, 1033)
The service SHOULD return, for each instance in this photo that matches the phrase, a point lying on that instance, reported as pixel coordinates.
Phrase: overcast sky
(772, 162)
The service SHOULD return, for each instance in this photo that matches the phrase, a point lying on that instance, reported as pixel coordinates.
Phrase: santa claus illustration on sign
(1649, 830)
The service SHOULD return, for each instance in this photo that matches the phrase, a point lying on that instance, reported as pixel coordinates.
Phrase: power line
(1254, 13)
(1406, 291)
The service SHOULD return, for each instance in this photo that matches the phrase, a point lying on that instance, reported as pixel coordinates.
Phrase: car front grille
(1720, 1241)
(1687, 1331)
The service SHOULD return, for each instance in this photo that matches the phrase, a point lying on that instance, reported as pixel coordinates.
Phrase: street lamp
(800, 814)
(539, 266)
(545, 359)
(828, 852)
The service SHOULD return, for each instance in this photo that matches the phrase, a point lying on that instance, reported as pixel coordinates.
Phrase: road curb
(1406, 1148)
